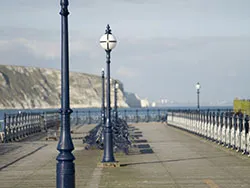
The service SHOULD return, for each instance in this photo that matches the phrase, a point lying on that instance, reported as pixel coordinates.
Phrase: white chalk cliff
(29, 87)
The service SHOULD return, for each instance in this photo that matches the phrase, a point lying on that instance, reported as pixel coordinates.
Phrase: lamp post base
(109, 164)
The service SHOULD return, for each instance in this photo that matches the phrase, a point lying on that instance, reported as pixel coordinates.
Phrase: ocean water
(13, 111)
(141, 110)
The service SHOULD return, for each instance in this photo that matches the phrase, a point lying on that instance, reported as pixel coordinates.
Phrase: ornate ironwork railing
(224, 127)
(93, 116)
(20, 125)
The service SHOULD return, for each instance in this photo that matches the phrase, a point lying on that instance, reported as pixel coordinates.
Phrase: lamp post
(108, 42)
(103, 98)
(65, 169)
(116, 86)
(198, 86)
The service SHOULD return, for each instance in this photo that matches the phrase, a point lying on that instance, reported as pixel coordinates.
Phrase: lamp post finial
(108, 30)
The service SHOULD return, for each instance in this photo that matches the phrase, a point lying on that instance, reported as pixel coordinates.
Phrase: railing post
(39, 125)
(240, 131)
(77, 117)
(19, 132)
(226, 127)
(147, 115)
(221, 127)
(197, 122)
(25, 124)
(230, 130)
(6, 129)
(172, 115)
(207, 124)
(246, 126)
(193, 122)
(14, 128)
(89, 117)
(42, 122)
(190, 121)
(203, 122)
(159, 112)
(210, 125)
(218, 125)
(30, 124)
(214, 126)
(35, 123)
(235, 129)
(10, 128)
(166, 112)
(22, 127)
(136, 113)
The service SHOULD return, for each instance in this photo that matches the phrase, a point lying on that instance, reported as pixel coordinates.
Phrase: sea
(14, 111)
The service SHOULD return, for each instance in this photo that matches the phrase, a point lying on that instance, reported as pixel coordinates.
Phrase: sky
(164, 46)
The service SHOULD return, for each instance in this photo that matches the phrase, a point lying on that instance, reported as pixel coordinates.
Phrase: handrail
(224, 127)
(17, 126)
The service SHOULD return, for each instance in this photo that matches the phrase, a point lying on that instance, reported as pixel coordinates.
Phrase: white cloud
(127, 72)
(43, 49)
(148, 65)
(232, 73)
(164, 46)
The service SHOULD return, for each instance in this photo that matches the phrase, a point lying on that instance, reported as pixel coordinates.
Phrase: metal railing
(20, 125)
(141, 115)
(93, 116)
(81, 117)
(222, 126)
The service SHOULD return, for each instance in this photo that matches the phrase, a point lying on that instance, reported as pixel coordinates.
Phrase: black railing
(81, 117)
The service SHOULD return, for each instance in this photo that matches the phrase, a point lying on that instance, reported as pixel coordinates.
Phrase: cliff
(134, 101)
(28, 87)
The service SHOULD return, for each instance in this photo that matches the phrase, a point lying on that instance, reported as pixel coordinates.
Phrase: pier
(176, 159)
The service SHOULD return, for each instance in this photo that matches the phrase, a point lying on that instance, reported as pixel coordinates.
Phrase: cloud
(169, 66)
(217, 62)
(45, 43)
(44, 49)
(232, 73)
(12, 32)
(127, 72)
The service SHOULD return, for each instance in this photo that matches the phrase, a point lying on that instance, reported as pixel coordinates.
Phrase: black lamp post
(198, 86)
(65, 169)
(103, 98)
(108, 42)
(116, 85)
